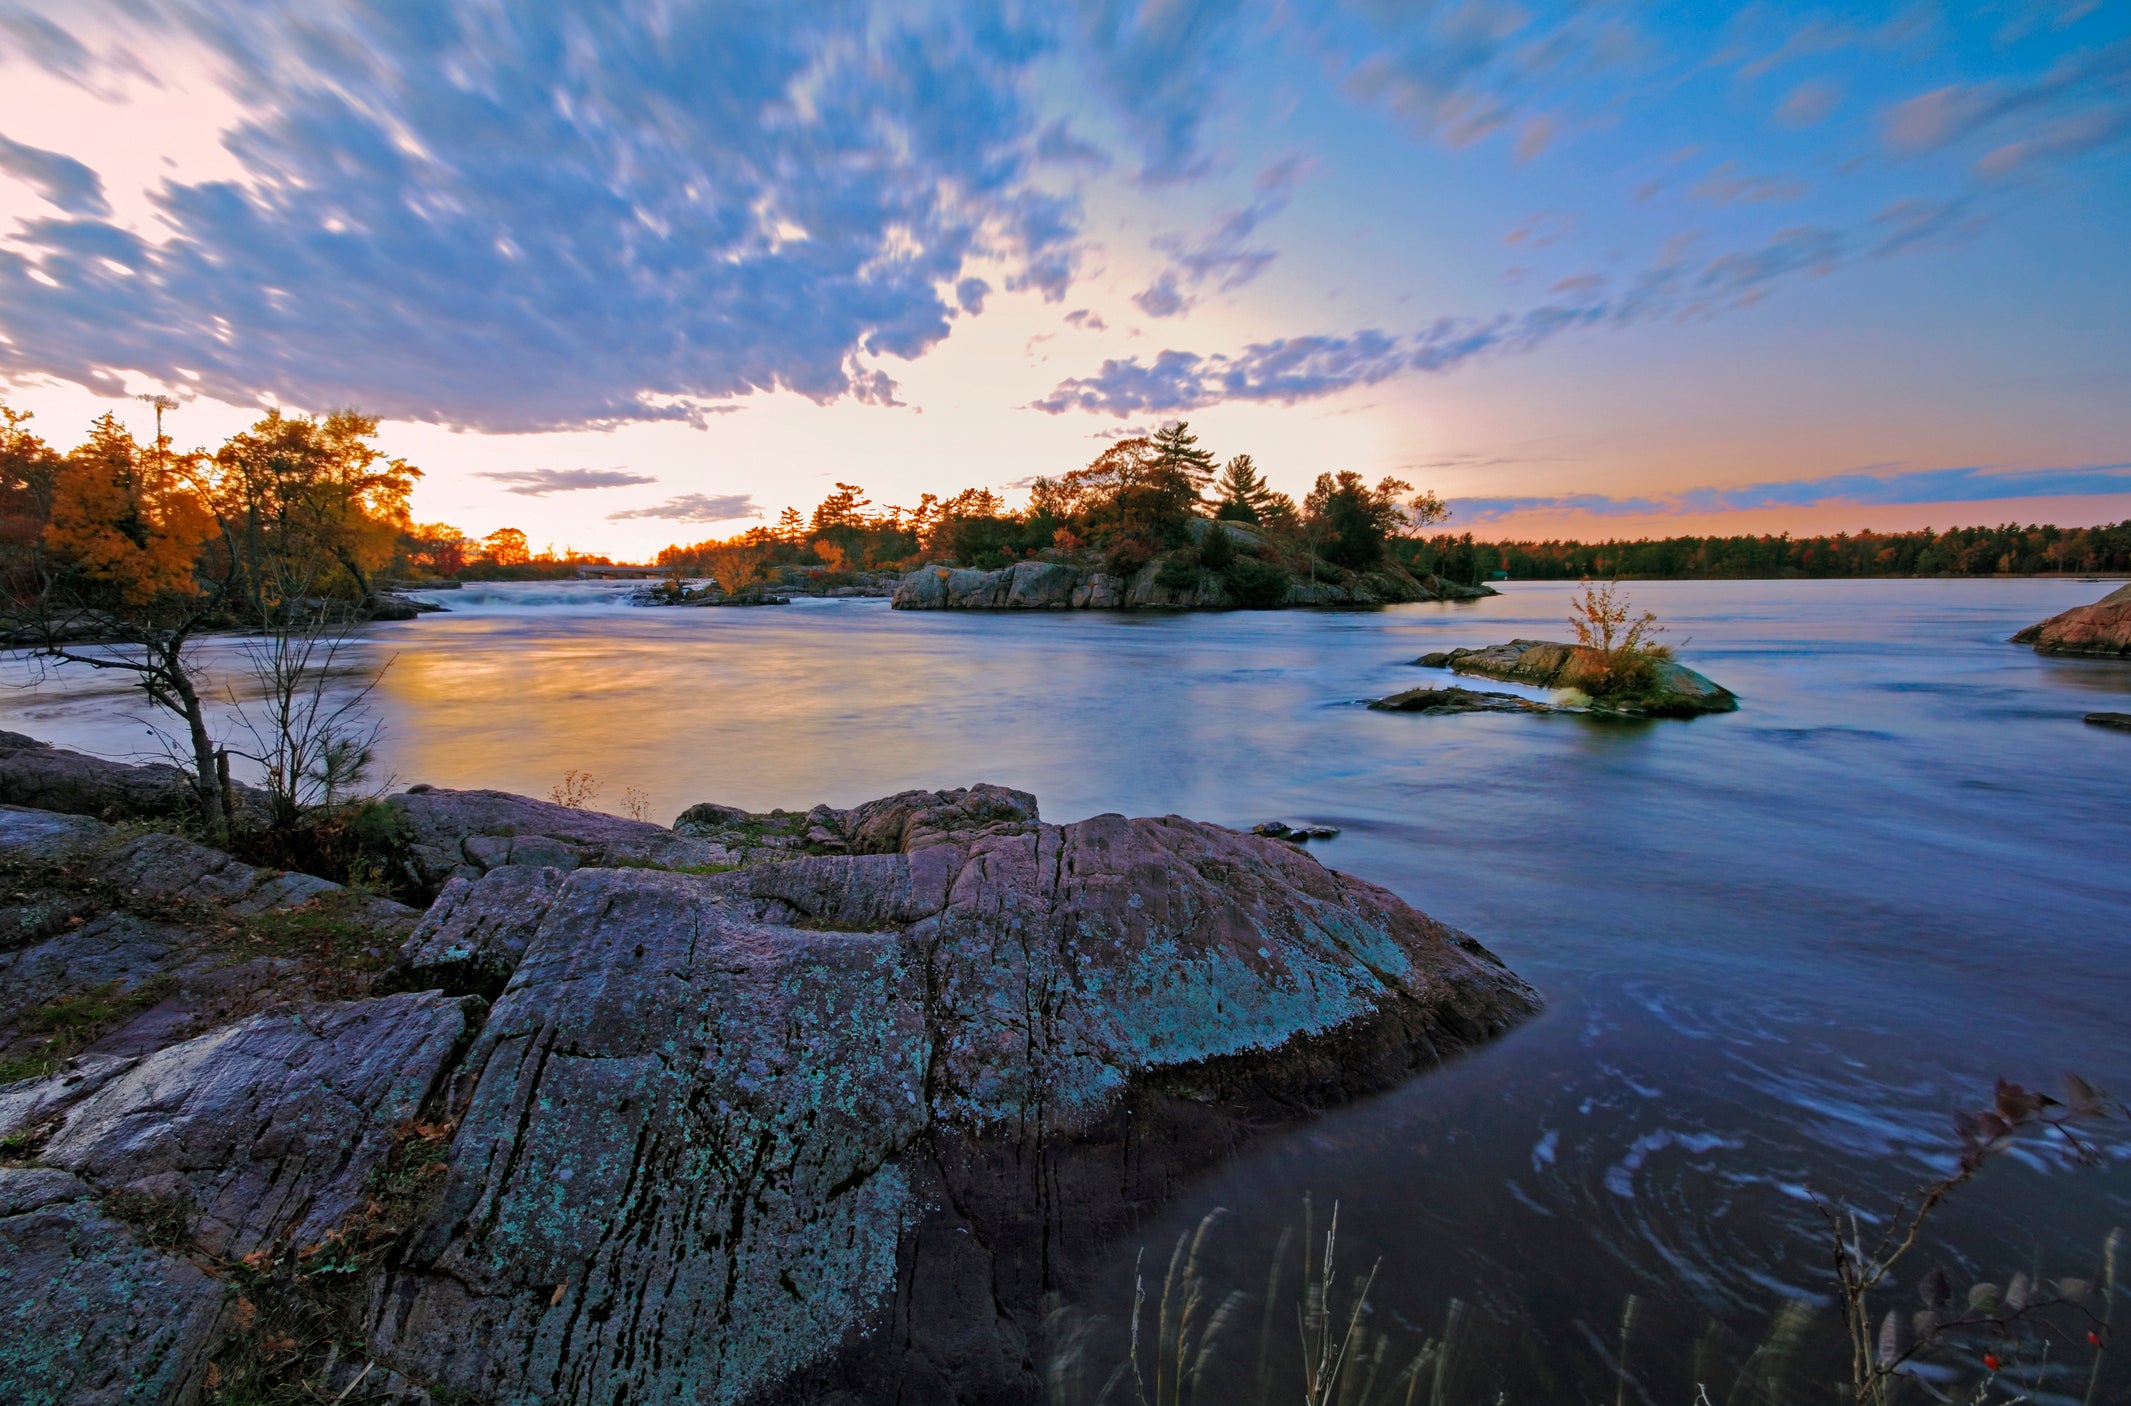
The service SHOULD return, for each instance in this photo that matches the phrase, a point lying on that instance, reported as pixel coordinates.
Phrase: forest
(2010, 549)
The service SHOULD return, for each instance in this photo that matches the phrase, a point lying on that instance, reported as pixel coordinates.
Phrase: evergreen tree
(1177, 452)
(1243, 494)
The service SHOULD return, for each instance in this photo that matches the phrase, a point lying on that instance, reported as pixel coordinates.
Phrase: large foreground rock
(1676, 691)
(711, 1118)
(833, 1123)
(2103, 629)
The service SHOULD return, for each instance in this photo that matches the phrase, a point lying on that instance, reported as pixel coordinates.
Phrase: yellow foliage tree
(299, 495)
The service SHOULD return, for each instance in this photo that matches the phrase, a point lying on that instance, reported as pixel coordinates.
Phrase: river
(1779, 946)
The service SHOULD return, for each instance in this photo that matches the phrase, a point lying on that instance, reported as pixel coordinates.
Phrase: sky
(621, 273)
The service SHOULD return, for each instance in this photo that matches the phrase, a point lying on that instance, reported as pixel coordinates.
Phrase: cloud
(1678, 285)
(1877, 486)
(970, 294)
(696, 507)
(1057, 145)
(1161, 63)
(1809, 104)
(1726, 186)
(1461, 73)
(538, 483)
(1086, 319)
(61, 180)
(524, 218)
(1222, 256)
(2080, 104)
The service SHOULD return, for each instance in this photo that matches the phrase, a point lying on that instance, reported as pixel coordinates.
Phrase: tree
(506, 546)
(1243, 494)
(125, 567)
(1176, 451)
(437, 548)
(1351, 521)
(297, 496)
(29, 471)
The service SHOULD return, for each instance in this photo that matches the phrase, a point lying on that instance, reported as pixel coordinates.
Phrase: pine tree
(1243, 494)
(1176, 452)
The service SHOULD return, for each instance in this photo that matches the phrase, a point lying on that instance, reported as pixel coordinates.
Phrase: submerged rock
(2103, 629)
(1675, 691)
(830, 1122)
(1281, 830)
(1461, 700)
(2115, 720)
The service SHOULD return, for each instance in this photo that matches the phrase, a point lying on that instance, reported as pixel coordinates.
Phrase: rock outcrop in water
(1055, 585)
(1461, 700)
(2102, 629)
(1674, 690)
(833, 1120)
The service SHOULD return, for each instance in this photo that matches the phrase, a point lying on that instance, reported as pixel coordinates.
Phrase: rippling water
(1779, 946)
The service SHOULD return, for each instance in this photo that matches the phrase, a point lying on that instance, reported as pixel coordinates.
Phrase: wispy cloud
(1810, 103)
(61, 180)
(1871, 487)
(538, 483)
(2080, 104)
(1223, 256)
(1727, 185)
(1678, 285)
(696, 507)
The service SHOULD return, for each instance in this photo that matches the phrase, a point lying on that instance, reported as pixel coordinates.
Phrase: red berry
(1990, 1360)
(2094, 1338)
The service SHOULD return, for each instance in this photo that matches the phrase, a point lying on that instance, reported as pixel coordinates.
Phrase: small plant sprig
(1883, 1348)
(576, 790)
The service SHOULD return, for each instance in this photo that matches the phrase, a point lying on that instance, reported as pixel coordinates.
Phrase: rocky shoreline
(2101, 630)
(758, 1107)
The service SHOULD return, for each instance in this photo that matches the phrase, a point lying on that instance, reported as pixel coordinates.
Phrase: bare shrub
(576, 790)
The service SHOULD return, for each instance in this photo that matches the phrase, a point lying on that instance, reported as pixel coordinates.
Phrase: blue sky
(624, 273)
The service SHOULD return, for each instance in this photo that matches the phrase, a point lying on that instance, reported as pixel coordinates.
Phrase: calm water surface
(1779, 946)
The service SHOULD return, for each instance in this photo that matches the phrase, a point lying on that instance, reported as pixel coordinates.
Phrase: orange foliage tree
(124, 567)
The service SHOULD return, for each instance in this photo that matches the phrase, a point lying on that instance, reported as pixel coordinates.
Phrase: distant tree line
(1136, 502)
(2009, 549)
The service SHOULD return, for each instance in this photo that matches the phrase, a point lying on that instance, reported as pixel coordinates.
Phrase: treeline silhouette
(2010, 549)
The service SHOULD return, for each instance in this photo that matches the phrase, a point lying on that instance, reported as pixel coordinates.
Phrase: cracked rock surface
(796, 1106)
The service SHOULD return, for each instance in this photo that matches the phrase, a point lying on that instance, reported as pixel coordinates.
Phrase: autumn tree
(304, 503)
(506, 546)
(125, 568)
(437, 548)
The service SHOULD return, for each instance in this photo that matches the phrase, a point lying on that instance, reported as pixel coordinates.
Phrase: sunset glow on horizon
(626, 275)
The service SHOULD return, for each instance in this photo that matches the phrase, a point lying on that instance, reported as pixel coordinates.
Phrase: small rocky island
(1044, 585)
(1661, 688)
(758, 1107)
(2102, 630)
